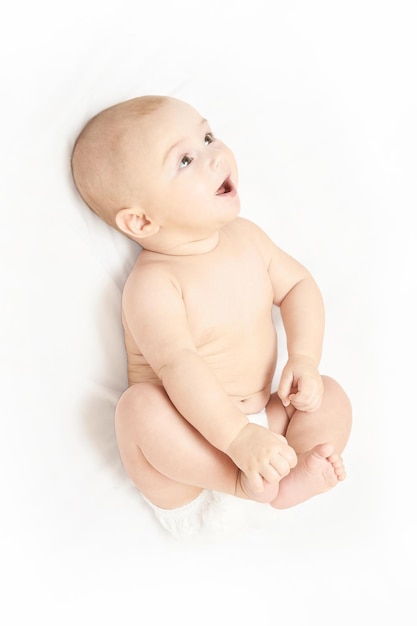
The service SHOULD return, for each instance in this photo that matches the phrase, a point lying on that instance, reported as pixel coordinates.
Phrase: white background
(318, 101)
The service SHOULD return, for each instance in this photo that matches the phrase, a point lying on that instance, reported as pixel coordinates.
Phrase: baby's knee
(333, 389)
(139, 394)
(138, 399)
(336, 397)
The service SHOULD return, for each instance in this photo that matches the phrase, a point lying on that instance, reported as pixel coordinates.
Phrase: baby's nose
(217, 159)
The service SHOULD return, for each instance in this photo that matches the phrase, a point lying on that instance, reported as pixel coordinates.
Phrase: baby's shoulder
(245, 231)
(241, 226)
(149, 273)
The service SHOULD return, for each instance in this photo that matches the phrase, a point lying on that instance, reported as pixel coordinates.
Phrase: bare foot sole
(317, 471)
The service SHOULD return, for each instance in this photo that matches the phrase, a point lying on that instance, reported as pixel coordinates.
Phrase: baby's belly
(245, 370)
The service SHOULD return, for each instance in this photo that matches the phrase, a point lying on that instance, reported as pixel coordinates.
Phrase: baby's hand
(261, 455)
(301, 384)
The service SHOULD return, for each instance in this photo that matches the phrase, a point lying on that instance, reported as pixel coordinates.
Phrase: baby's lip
(226, 188)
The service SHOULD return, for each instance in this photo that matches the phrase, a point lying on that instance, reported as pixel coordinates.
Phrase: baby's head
(101, 155)
(152, 168)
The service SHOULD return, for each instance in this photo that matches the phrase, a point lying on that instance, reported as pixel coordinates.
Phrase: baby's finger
(306, 396)
(255, 482)
(284, 464)
(272, 474)
(284, 389)
(285, 452)
(305, 404)
(290, 456)
(314, 405)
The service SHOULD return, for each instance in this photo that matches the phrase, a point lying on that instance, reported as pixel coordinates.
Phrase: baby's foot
(317, 471)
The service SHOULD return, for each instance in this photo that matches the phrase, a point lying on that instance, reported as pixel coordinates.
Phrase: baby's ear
(135, 223)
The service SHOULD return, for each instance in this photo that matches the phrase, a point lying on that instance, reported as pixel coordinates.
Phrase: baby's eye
(208, 139)
(185, 161)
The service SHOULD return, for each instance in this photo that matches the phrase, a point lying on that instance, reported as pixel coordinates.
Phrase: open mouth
(225, 187)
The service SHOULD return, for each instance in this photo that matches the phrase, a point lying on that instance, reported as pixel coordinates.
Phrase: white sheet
(318, 101)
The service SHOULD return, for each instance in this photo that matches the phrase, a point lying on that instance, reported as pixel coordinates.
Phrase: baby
(199, 415)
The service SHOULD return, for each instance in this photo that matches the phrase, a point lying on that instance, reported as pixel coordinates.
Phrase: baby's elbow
(176, 363)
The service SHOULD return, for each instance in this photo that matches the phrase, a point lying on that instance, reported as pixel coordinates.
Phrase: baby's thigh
(147, 419)
(278, 415)
(167, 459)
(142, 410)
(144, 420)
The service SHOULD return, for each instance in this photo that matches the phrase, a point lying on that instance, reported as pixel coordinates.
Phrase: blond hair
(97, 162)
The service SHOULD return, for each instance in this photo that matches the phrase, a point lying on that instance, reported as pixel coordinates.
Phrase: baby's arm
(156, 316)
(197, 394)
(302, 312)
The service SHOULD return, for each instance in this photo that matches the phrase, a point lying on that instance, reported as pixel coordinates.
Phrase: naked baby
(199, 415)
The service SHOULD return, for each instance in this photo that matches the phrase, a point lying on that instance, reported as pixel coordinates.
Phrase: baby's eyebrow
(171, 148)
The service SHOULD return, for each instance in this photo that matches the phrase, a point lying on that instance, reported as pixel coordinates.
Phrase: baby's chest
(229, 297)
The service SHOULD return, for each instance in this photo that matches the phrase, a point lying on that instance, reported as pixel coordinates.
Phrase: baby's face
(187, 176)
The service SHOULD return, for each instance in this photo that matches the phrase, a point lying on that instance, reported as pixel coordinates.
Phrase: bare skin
(162, 470)
(320, 466)
(200, 339)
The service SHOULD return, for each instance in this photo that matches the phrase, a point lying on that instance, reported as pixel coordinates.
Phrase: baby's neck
(189, 248)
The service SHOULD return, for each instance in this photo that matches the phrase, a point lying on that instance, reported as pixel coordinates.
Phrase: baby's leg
(318, 438)
(166, 458)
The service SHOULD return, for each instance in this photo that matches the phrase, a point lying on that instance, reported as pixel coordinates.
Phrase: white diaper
(211, 515)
